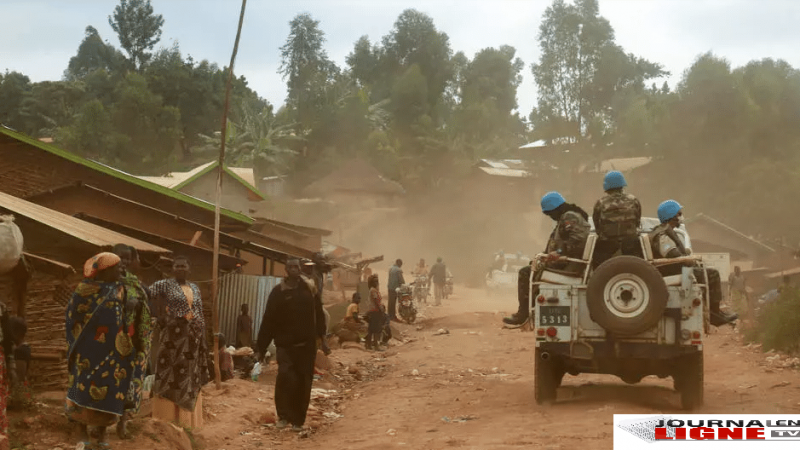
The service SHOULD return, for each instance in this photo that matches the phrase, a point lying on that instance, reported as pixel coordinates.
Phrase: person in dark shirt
(294, 319)
(244, 328)
(439, 278)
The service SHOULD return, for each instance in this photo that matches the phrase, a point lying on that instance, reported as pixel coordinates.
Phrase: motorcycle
(421, 289)
(405, 303)
(448, 286)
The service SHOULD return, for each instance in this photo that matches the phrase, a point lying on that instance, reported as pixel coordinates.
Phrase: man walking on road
(395, 281)
(294, 319)
(439, 278)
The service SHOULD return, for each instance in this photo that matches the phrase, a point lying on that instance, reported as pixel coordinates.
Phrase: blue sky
(38, 37)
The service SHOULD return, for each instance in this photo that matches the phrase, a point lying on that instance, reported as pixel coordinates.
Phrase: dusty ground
(471, 388)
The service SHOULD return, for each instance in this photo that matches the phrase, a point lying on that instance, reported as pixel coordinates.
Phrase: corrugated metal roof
(72, 226)
(620, 164)
(245, 173)
(173, 179)
(514, 173)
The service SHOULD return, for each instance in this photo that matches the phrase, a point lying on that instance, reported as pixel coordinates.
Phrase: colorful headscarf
(99, 262)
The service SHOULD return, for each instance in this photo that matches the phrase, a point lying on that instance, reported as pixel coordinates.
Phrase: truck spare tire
(626, 295)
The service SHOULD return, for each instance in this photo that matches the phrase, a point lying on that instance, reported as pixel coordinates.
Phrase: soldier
(616, 219)
(666, 243)
(567, 239)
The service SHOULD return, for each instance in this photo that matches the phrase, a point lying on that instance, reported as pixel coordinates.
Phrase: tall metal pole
(218, 201)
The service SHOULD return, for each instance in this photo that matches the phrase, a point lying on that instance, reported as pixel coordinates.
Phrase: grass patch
(777, 326)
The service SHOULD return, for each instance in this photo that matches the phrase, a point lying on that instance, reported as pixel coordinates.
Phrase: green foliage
(94, 54)
(776, 327)
(305, 65)
(581, 71)
(92, 134)
(14, 88)
(138, 29)
(151, 126)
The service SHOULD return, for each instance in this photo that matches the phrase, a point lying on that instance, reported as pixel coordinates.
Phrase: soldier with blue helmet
(666, 243)
(616, 217)
(567, 239)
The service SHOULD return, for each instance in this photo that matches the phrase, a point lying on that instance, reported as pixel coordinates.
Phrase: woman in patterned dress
(101, 352)
(182, 360)
(137, 315)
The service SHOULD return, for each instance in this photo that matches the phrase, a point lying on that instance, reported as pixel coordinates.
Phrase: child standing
(376, 315)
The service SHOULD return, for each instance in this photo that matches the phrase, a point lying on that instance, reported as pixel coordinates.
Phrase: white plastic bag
(256, 371)
(10, 244)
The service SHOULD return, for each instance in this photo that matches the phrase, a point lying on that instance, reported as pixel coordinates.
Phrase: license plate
(554, 316)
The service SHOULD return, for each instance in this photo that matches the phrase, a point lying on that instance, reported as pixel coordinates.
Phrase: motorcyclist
(567, 239)
(422, 271)
(617, 216)
(666, 243)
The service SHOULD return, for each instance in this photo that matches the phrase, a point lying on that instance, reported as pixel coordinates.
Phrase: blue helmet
(551, 201)
(668, 209)
(614, 180)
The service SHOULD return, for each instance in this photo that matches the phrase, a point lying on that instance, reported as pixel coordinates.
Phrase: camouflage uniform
(616, 220)
(662, 244)
(569, 239)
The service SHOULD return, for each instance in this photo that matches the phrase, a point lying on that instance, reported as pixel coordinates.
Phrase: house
(274, 187)
(238, 188)
(31, 167)
(55, 235)
(57, 247)
(712, 236)
(48, 291)
(356, 184)
(309, 238)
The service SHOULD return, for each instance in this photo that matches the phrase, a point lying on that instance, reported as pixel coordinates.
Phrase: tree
(138, 29)
(194, 89)
(152, 128)
(14, 89)
(92, 134)
(363, 62)
(93, 54)
(488, 93)
(415, 41)
(52, 104)
(304, 64)
(580, 71)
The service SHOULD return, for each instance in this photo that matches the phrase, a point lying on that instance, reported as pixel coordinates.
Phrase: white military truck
(623, 318)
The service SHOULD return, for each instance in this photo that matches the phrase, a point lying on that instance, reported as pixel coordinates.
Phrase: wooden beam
(196, 238)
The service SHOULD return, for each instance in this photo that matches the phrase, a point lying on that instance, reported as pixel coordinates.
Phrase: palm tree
(257, 141)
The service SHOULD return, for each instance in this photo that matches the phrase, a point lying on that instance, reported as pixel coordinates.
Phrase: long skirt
(376, 320)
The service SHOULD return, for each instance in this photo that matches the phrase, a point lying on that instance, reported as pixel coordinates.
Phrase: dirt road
(482, 374)
(471, 389)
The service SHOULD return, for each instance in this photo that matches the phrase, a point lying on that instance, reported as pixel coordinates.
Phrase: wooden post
(220, 171)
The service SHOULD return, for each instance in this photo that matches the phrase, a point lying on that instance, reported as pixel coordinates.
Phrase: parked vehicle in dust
(624, 319)
(501, 278)
(405, 304)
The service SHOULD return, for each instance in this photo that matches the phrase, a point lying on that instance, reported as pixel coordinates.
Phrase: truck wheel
(547, 378)
(626, 295)
(689, 381)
